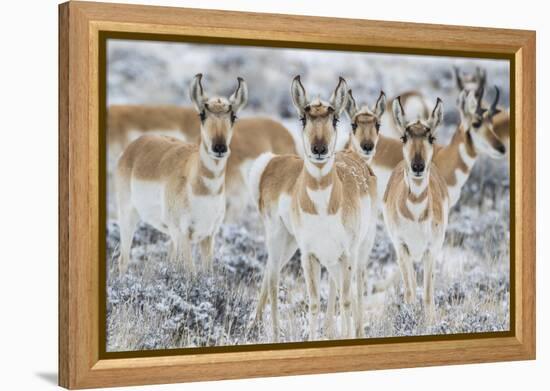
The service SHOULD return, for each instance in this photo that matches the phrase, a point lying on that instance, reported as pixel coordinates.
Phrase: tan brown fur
(397, 194)
(176, 186)
(300, 200)
(416, 203)
(251, 136)
(448, 158)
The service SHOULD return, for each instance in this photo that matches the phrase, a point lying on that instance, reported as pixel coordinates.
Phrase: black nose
(367, 146)
(319, 149)
(418, 167)
(501, 148)
(219, 148)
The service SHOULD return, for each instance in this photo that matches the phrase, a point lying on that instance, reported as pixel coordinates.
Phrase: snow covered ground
(156, 307)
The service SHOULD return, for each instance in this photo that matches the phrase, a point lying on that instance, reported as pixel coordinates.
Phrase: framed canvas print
(248, 195)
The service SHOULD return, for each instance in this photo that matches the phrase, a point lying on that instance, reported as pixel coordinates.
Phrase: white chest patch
(323, 236)
(320, 198)
(417, 236)
(213, 185)
(206, 213)
(417, 208)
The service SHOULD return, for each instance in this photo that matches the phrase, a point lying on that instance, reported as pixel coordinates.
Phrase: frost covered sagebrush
(154, 306)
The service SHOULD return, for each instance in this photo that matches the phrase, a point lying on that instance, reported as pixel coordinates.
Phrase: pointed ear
(458, 79)
(398, 114)
(339, 97)
(380, 105)
(196, 93)
(436, 117)
(240, 97)
(351, 105)
(298, 93)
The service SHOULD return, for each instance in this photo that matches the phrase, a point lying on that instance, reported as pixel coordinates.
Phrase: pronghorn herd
(185, 170)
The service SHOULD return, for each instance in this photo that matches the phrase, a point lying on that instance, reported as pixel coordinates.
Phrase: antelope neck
(208, 166)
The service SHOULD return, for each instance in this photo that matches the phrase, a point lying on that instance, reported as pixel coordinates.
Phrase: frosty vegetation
(154, 306)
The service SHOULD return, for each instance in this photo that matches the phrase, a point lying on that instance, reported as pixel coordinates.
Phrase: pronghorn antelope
(416, 203)
(476, 82)
(383, 153)
(475, 135)
(252, 137)
(454, 161)
(176, 186)
(324, 205)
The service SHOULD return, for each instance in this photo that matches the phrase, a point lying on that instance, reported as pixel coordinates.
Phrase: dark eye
(202, 115)
(476, 124)
(303, 120)
(233, 117)
(335, 121)
(354, 127)
(404, 138)
(377, 125)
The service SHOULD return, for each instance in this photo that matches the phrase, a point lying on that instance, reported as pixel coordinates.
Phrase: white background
(28, 207)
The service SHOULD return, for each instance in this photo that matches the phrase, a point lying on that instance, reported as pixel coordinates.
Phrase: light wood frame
(80, 24)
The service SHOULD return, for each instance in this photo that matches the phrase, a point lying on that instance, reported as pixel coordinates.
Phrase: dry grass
(156, 307)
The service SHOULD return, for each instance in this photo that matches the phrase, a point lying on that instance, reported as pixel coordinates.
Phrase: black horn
(479, 97)
(458, 78)
(493, 109)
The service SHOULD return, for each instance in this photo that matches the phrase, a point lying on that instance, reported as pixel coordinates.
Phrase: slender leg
(361, 263)
(182, 256)
(128, 219)
(331, 306)
(207, 252)
(429, 305)
(407, 273)
(344, 281)
(280, 247)
(312, 274)
(262, 301)
(359, 306)
(172, 253)
(273, 291)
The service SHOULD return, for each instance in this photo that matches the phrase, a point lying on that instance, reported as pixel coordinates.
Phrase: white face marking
(417, 187)
(214, 165)
(317, 172)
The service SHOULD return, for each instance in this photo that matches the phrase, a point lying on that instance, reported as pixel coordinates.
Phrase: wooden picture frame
(81, 25)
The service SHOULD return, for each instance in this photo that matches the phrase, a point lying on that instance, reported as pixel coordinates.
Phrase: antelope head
(418, 138)
(217, 115)
(478, 122)
(471, 82)
(319, 120)
(365, 124)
